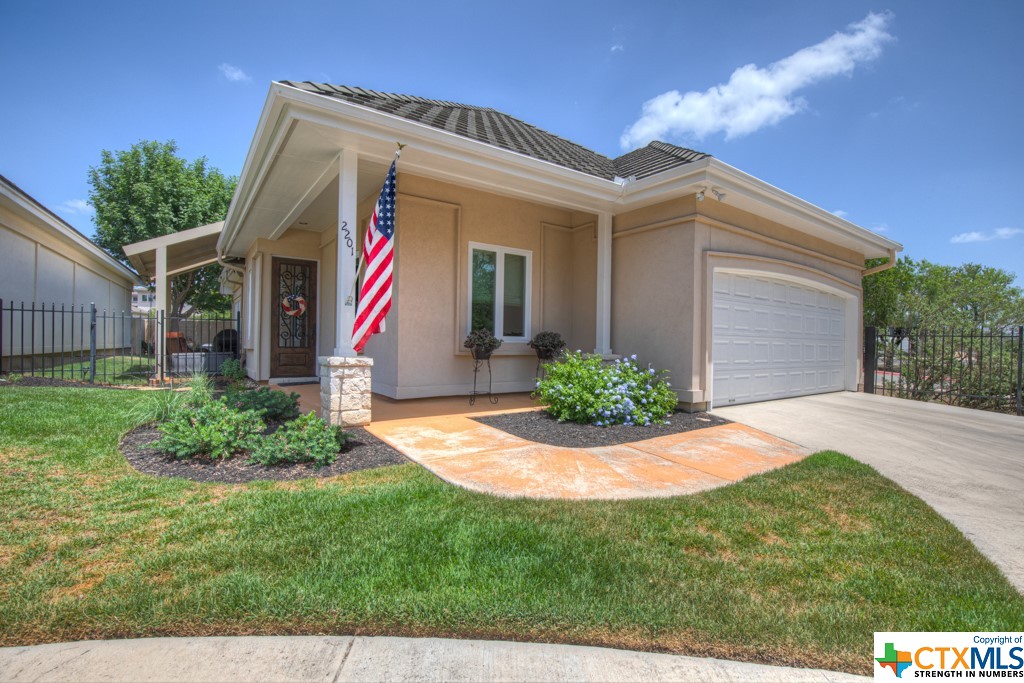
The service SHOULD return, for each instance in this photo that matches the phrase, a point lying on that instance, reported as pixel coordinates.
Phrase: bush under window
(583, 388)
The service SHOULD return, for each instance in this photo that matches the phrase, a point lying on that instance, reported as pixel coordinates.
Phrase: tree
(149, 191)
(920, 294)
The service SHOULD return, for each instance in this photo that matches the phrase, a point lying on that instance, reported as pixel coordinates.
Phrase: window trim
(499, 289)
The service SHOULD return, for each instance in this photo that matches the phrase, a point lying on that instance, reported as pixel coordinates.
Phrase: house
(44, 261)
(741, 290)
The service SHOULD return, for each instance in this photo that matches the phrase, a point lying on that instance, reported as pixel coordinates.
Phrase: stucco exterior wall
(663, 260)
(300, 244)
(38, 265)
(436, 223)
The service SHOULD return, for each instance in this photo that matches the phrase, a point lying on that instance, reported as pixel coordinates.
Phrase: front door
(293, 318)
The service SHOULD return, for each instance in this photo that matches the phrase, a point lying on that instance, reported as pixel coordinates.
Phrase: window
(499, 291)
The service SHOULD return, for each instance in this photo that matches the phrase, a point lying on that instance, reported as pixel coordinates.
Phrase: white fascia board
(711, 173)
(173, 238)
(28, 205)
(729, 177)
(267, 133)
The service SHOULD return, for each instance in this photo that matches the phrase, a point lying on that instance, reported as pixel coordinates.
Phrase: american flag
(378, 250)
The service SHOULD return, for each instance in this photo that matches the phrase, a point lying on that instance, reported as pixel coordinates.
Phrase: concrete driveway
(967, 464)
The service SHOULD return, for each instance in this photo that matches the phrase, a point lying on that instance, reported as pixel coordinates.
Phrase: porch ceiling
(186, 250)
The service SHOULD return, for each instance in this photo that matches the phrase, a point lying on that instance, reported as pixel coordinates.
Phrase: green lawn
(119, 369)
(798, 566)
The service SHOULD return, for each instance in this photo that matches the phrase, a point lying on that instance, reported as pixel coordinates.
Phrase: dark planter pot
(480, 354)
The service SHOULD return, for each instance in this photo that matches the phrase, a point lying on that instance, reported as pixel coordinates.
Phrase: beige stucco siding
(664, 257)
(300, 244)
(436, 223)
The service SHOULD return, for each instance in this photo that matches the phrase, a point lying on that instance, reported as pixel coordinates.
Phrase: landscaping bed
(362, 451)
(542, 427)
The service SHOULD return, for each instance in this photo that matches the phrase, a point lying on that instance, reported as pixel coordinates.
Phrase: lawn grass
(119, 369)
(797, 566)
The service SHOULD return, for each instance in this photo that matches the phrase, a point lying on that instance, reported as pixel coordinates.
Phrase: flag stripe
(378, 251)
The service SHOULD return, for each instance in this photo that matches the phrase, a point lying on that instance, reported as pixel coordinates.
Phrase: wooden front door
(293, 318)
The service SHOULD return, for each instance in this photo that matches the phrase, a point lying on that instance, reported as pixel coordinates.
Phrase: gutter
(885, 266)
(228, 266)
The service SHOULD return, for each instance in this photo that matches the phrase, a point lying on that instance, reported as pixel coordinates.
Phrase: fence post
(870, 358)
(1020, 368)
(92, 343)
(2, 337)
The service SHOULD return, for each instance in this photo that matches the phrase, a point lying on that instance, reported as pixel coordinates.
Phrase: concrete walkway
(347, 658)
(480, 458)
(967, 464)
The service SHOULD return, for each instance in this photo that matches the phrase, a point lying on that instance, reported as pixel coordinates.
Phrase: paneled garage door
(774, 339)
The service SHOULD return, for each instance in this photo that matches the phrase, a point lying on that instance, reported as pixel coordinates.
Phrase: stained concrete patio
(439, 434)
(481, 458)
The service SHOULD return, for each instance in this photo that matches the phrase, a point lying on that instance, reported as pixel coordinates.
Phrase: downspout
(225, 264)
(885, 266)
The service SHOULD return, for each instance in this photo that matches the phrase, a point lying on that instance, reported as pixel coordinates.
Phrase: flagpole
(359, 261)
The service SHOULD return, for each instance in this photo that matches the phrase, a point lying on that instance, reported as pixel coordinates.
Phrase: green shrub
(212, 429)
(583, 388)
(200, 389)
(305, 439)
(158, 406)
(270, 404)
(232, 370)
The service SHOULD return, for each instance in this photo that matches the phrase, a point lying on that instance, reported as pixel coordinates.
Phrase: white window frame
(499, 289)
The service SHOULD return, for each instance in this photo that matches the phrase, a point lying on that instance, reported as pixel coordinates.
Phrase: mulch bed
(540, 426)
(363, 451)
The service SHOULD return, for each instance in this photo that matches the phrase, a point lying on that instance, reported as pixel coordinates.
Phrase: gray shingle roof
(498, 129)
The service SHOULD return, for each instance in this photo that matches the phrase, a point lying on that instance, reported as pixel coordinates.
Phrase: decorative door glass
(294, 284)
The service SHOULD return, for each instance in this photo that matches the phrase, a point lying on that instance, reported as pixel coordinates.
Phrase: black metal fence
(86, 344)
(970, 368)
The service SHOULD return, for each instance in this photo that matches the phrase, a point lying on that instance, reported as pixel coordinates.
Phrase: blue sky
(906, 117)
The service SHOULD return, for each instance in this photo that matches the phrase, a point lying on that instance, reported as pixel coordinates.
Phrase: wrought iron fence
(970, 368)
(86, 344)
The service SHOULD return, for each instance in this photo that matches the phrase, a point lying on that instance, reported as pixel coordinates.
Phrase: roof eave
(29, 205)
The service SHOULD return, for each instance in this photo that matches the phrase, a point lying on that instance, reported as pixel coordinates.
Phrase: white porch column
(347, 233)
(163, 305)
(604, 284)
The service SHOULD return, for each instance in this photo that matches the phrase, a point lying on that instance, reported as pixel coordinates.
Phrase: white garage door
(774, 339)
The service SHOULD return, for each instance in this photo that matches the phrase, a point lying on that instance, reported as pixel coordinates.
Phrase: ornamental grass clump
(583, 388)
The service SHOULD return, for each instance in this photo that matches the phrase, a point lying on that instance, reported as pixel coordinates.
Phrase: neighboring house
(46, 262)
(742, 291)
(143, 299)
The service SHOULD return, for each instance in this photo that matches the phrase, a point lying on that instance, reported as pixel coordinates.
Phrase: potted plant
(548, 345)
(481, 343)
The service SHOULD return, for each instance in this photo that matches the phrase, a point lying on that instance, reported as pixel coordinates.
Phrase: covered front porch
(519, 256)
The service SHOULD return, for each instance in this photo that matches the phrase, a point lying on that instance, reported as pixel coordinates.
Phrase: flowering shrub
(583, 388)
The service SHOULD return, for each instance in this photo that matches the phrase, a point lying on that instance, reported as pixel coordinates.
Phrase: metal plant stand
(477, 364)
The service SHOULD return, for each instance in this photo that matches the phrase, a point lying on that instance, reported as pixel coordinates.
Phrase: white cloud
(754, 97)
(233, 73)
(840, 213)
(975, 236)
(618, 47)
(75, 206)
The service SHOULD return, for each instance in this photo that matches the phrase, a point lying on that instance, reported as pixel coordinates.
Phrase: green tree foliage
(148, 191)
(920, 294)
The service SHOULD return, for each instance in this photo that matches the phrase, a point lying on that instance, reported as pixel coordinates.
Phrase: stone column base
(345, 390)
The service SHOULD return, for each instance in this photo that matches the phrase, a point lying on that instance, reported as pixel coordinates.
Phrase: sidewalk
(348, 658)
